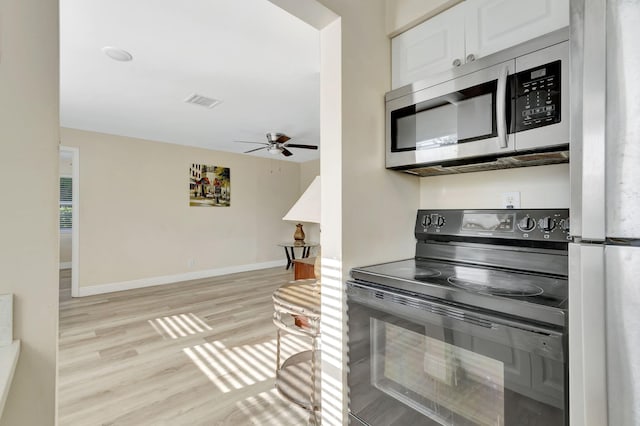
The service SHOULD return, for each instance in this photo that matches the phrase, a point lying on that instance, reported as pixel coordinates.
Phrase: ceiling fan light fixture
(277, 143)
(117, 54)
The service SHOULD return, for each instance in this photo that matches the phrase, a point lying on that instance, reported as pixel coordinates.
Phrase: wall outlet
(190, 263)
(511, 200)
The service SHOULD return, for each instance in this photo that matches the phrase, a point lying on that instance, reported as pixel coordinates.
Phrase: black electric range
(472, 331)
(512, 262)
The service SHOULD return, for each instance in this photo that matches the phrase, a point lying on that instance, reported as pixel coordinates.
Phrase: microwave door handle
(501, 107)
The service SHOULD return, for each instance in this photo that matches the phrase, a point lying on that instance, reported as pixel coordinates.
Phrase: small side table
(303, 269)
(289, 248)
(297, 377)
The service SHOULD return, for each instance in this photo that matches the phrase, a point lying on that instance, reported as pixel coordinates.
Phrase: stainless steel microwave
(510, 109)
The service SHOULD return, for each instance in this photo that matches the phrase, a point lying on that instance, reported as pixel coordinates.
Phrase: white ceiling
(263, 63)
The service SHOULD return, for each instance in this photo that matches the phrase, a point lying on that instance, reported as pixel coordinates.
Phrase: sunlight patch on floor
(231, 368)
(181, 325)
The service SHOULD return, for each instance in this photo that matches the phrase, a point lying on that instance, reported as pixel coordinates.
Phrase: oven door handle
(394, 303)
(376, 297)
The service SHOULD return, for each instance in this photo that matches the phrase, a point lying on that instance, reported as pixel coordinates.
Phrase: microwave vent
(522, 160)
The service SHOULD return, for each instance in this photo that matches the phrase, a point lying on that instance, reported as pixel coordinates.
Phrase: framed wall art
(209, 186)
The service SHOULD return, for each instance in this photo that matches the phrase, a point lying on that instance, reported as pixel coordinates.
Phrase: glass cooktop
(537, 297)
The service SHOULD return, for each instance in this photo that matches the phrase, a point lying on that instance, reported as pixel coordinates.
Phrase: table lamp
(306, 209)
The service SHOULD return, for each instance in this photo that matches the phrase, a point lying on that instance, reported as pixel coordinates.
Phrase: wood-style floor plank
(200, 352)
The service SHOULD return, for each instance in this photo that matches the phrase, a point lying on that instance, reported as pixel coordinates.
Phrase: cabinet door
(494, 25)
(429, 48)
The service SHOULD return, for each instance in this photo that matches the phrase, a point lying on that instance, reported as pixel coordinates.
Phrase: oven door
(414, 361)
(461, 118)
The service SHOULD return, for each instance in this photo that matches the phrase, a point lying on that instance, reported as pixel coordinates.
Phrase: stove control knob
(564, 225)
(426, 221)
(440, 221)
(547, 224)
(526, 224)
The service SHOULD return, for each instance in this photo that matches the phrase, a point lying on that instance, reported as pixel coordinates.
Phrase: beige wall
(28, 183)
(308, 171)
(539, 187)
(404, 14)
(135, 219)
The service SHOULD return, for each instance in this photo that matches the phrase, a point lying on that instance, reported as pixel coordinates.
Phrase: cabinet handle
(471, 57)
(457, 62)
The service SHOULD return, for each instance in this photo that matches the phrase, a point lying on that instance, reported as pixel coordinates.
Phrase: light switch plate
(511, 200)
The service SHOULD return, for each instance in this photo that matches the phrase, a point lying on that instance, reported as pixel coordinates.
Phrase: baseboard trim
(171, 279)
(65, 265)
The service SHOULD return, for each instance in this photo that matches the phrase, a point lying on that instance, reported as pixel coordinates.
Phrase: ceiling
(260, 61)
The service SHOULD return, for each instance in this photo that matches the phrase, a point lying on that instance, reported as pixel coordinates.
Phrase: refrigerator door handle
(587, 349)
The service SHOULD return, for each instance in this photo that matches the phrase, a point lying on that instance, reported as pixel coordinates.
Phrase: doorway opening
(69, 221)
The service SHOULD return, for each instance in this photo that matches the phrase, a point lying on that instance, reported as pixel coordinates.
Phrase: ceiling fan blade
(296, 145)
(286, 152)
(261, 143)
(282, 139)
(257, 149)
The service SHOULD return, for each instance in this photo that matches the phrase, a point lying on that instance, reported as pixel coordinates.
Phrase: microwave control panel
(537, 92)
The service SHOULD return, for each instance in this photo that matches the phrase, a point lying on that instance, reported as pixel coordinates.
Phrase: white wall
(29, 186)
(404, 14)
(539, 187)
(135, 218)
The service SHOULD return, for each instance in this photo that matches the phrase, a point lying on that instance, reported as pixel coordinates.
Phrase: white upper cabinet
(494, 25)
(429, 48)
(468, 31)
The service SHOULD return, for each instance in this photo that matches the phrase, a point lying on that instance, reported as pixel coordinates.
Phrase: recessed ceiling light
(117, 53)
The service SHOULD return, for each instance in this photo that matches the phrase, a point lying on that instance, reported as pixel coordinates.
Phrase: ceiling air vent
(202, 101)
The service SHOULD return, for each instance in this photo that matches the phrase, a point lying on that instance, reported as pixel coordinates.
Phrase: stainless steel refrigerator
(604, 258)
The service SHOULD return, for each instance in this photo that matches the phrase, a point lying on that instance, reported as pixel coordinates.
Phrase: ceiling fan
(277, 143)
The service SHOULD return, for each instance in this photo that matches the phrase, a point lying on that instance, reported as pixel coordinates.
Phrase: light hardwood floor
(194, 353)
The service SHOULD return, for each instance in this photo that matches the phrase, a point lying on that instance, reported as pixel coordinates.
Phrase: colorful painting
(209, 186)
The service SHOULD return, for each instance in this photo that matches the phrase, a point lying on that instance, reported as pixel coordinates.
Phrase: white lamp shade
(307, 208)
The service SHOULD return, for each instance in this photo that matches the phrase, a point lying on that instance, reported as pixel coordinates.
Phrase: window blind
(66, 197)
